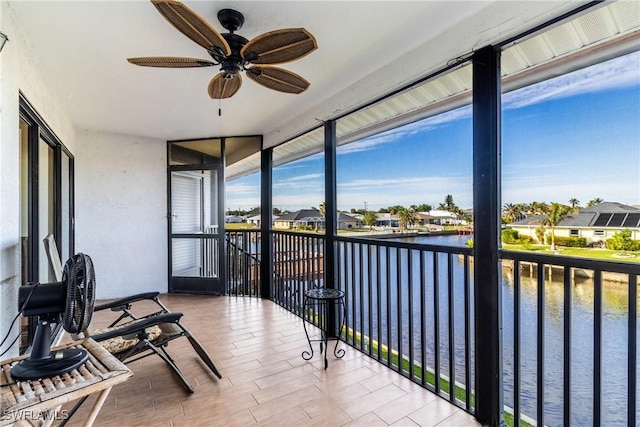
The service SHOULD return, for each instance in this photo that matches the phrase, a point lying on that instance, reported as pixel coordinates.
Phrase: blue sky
(577, 135)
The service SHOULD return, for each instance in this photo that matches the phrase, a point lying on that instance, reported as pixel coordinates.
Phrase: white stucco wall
(19, 71)
(121, 211)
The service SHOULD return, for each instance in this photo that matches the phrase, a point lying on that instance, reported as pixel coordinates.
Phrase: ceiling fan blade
(278, 79)
(224, 85)
(192, 25)
(170, 62)
(279, 46)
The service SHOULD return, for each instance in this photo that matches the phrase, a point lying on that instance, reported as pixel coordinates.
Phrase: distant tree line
(512, 212)
(554, 213)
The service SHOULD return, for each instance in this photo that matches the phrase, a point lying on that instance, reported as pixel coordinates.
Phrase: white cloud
(401, 132)
(617, 73)
(404, 191)
(298, 201)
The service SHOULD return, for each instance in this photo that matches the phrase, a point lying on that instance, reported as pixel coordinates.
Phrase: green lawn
(602, 254)
(232, 226)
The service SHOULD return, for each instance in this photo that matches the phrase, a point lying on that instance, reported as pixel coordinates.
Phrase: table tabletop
(323, 293)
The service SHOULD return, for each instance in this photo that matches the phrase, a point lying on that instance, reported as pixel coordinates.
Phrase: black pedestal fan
(70, 302)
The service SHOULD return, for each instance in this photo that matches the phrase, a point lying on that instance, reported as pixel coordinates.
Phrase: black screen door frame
(201, 284)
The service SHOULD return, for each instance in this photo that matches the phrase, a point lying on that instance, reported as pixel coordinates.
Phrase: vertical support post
(266, 214)
(486, 211)
(330, 216)
(222, 244)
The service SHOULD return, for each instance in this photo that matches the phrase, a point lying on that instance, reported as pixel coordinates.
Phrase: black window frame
(38, 130)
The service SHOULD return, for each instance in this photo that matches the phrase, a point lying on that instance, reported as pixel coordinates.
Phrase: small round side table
(322, 298)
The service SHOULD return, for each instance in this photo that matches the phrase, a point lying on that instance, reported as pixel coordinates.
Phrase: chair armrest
(122, 303)
(137, 326)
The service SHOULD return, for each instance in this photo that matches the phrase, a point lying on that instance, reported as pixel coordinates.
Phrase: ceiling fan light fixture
(224, 85)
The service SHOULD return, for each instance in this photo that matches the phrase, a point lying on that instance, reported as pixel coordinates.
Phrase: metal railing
(576, 365)
(298, 265)
(399, 300)
(243, 262)
(411, 307)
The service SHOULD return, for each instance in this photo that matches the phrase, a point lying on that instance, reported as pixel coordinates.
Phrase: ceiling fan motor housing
(233, 63)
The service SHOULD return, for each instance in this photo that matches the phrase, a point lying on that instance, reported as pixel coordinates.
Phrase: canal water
(614, 343)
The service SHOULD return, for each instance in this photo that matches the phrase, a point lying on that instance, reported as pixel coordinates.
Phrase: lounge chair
(132, 337)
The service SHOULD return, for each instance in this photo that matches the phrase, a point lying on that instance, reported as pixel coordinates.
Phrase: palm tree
(323, 209)
(540, 233)
(511, 212)
(406, 217)
(448, 204)
(539, 207)
(594, 202)
(575, 204)
(557, 212)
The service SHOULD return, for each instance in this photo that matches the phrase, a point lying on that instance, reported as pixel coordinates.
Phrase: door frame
(197, 285)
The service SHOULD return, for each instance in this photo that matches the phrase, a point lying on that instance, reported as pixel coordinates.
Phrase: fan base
(58, 363)
(230, 19)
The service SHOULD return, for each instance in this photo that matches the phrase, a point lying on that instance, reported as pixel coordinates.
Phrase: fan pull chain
(219, 108)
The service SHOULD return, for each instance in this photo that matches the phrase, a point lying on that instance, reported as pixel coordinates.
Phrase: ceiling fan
(234, 53)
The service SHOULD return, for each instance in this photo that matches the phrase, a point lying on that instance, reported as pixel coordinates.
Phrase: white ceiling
(366, 48)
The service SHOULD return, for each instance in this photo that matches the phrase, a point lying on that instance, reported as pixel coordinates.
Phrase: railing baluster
(632, 367)
(516, 343)
(340, 282)
(369, 299)
(379, 302)
(540, 346)
(388, 277)
(467, 333)
(566, 400)
(345, 261)
(410, 301)
(436, 321)
(423, 320)
(361, 296)
(597, 346)
(452, 341)
(354, 296)
(399, 305)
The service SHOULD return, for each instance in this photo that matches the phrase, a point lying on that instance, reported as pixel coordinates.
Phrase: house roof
(300, 215)
(303, 214)
(606, 214)
(346, 217)
(609, 207)
(382, 216)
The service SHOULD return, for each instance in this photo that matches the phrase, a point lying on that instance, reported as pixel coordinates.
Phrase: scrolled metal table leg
(339, 353)
(305, 354)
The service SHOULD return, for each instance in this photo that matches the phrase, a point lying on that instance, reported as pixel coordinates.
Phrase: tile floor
(257, 345)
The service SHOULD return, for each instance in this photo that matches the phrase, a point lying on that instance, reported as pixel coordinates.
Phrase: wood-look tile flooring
(257, 345)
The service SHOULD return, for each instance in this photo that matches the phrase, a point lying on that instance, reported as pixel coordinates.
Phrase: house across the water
(596, 223)
(305, 218)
